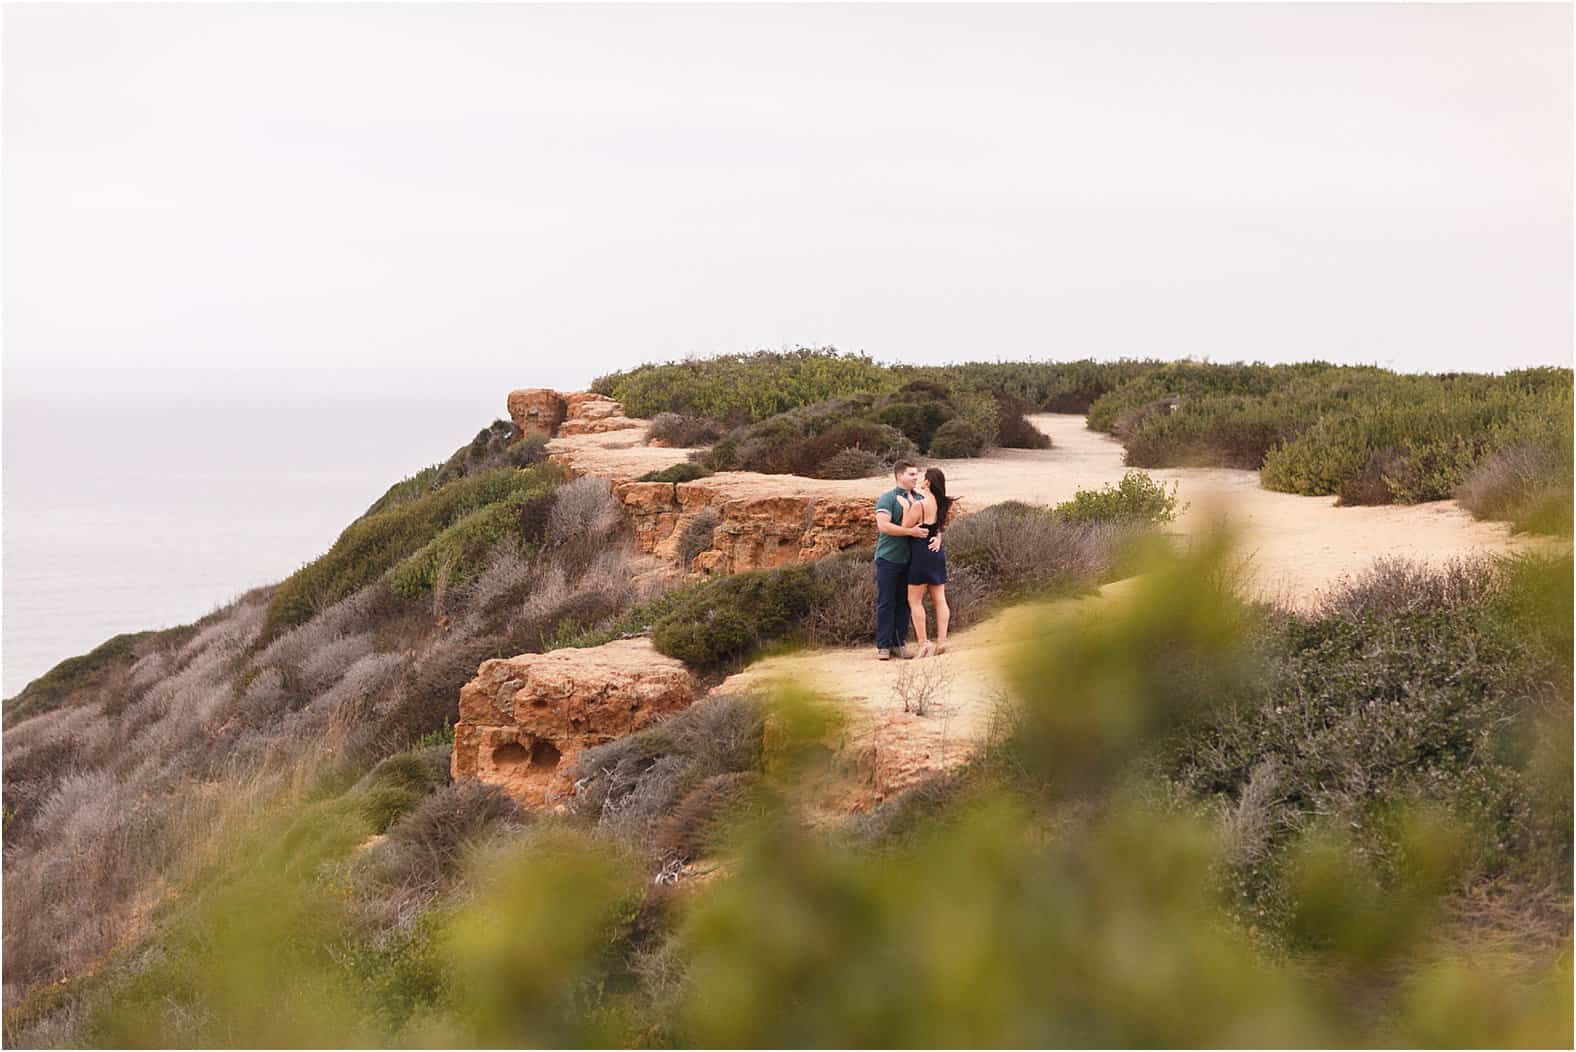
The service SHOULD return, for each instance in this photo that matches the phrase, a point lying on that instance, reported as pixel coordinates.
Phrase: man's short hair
(902, 466)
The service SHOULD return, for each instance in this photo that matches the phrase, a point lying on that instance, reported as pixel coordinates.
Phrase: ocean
(136, 514)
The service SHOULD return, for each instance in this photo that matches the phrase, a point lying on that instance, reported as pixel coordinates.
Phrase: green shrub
(1046, 386)
(727, 618)
(1137, 499)
(956, 439)
(1013, 430)
(684, 471)
(804, 441)
(636, 621)
(697, 534)
(383, 805)
(373, 545)
(744, 388)
(917, 420)
(851, 462)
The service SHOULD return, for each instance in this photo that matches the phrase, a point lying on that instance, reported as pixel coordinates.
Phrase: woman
(927, 570)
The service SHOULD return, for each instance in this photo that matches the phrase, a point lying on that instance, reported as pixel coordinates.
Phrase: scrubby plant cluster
(862, 435)
(677, 429)
(1365, 434)
(744, 388)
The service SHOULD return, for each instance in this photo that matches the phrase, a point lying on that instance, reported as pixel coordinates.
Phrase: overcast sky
(286, 198)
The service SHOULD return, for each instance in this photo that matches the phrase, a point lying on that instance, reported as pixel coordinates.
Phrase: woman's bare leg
(938, 598)
(916, 612)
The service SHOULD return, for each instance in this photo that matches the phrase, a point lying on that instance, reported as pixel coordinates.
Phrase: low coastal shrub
(1137, 500)
(745, 388)
(676, 429)
(696, 535)
(1527, 483)
(852, 462)
(445, 522)
(1017, 549)
(957, 439)
(803, 441)
(728, 618)
(919, 417)
(1046, 386)
(684, 471)
(641, 779)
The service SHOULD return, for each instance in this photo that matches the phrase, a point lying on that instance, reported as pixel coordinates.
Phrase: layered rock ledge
(762, 520)
(525, 720)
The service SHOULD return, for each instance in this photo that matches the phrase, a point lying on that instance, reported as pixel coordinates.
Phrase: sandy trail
(1297, 547)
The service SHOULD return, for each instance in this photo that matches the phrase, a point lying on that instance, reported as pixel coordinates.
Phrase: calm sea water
(130, 516)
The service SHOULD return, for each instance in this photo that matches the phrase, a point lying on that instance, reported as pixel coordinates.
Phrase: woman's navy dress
(924, 565)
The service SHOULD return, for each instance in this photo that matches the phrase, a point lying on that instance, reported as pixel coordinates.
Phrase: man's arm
(884, 524)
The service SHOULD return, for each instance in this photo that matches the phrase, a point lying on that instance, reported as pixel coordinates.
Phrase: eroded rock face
(759, 525)
(524, 720)
(752, 532)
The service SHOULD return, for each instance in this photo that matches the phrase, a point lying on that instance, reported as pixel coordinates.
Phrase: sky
(316, 202)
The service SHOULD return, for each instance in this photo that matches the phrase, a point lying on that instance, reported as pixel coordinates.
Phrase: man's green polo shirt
(892, 549)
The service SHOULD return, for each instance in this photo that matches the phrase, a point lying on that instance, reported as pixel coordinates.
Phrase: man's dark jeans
(891, 604)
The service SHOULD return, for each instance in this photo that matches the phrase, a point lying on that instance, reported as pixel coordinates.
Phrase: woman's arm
(913, 512)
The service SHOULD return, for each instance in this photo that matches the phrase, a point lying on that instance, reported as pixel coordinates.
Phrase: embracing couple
(909, 560)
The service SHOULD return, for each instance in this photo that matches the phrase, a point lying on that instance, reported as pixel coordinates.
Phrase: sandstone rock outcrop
(536, 411)
(752, 532)
(524, 720)
(589, 413)
(546, 413)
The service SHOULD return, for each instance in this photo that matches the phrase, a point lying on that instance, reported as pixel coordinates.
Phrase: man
(892, 562)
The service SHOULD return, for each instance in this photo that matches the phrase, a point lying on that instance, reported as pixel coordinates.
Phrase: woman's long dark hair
(938, 489)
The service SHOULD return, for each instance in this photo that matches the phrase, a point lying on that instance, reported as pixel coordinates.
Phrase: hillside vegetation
(1198, 821)
(1502, 444)
(1204, 823)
